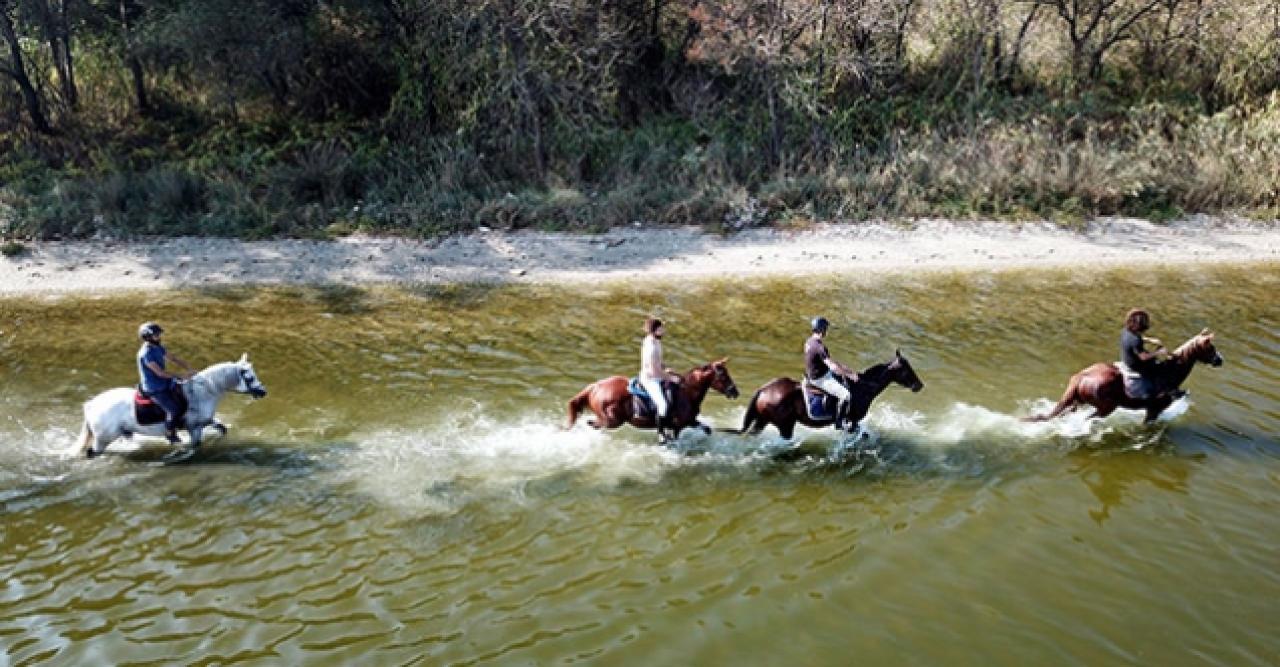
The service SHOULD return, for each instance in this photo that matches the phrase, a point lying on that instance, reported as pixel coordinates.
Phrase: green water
(404, 494)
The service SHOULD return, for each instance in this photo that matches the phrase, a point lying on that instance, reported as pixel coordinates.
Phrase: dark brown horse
(1102, 386)
(611, 400)
(781, 402)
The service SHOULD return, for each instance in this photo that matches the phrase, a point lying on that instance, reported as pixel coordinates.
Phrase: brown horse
(781, 402)
(611, 400)
(1102, 386)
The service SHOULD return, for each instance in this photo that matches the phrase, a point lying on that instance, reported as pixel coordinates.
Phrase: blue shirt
(152, 383)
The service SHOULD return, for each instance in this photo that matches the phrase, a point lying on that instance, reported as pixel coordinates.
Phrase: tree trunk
(56, 28)
(19, 71)
(68, 60)
(133, 63)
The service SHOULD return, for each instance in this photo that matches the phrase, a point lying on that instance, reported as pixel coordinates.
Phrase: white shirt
(651, 366)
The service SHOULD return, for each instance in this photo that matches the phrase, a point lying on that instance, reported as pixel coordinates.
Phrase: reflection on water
(405, 494)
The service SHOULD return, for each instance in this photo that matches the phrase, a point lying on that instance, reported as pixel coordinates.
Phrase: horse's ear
(244, 358)
(723, 361)
(898, 353)
(1205, 332)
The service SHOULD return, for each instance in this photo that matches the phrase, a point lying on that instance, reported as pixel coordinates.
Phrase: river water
(404, 494)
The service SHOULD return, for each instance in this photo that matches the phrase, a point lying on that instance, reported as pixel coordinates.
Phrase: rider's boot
(664, 430)
(172, 436)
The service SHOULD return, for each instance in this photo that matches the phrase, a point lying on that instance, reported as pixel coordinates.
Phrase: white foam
(442, 467)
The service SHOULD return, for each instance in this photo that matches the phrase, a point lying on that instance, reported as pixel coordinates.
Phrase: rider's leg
(832, 385)
(659, 398)
(169, 404)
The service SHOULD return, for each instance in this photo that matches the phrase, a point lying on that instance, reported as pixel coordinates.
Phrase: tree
(1095, 26)
(54, 17)
(16, 68)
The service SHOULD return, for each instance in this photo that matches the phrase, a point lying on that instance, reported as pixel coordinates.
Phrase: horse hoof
(220, 428)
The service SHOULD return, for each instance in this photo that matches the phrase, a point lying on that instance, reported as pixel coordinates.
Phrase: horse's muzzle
(732, 393)
(1217, 361)
(258, 393)
(917, 387)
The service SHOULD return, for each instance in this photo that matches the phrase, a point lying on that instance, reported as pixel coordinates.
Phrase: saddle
(641, 403)
(818, 403)
(1136, 386)
(147, 412)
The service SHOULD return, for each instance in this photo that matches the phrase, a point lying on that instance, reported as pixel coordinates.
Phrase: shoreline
(530, 257)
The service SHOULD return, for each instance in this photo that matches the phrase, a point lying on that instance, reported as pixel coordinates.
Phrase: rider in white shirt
(654, 373)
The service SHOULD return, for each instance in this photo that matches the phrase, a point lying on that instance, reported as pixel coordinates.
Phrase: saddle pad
(146, 412)
(641, 404)
(818, 407)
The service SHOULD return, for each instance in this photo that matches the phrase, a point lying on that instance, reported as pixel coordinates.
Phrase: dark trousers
(168, 403)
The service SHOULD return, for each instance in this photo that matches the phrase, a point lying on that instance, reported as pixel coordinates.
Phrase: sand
(630, 253)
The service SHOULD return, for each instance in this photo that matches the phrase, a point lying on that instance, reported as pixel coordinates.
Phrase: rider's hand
(1162, 350)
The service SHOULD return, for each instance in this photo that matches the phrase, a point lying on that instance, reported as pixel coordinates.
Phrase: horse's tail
(576, 404)
(85, 443)
(752, 416)
(1068, 401)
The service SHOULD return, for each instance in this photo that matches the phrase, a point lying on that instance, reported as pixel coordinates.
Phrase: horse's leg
(219, 427)
(1068, 401)
(1103, 410)
(100, 442)
(196, 431)
(1160, 405)
(786, 429)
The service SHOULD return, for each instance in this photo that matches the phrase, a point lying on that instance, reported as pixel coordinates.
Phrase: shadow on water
(1111, 474)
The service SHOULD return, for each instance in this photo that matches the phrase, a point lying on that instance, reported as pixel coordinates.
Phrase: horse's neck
(694, 385)
(873, 381)
(216, 378)
(1182, 361)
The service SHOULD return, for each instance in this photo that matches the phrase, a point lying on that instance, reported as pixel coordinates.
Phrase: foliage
(303, 118)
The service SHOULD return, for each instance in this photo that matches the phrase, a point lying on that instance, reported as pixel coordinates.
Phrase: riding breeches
(656, 394)
(831, 384)
(168, 403)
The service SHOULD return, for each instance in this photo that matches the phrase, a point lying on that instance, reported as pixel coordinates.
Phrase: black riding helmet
(819, 324)
(149, 330)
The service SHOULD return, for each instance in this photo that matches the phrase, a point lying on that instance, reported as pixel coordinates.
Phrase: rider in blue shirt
(157, 383)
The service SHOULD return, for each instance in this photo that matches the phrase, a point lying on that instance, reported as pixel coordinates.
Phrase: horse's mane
(1196, 344)
(877, 371)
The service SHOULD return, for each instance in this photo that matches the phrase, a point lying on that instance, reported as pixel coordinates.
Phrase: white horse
(110, 414)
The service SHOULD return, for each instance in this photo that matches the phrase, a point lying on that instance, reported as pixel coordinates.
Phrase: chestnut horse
(781, 402)
(1102, 386)
(611, 400)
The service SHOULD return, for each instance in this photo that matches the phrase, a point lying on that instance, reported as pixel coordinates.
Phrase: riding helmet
(819, 324)
(149, 330)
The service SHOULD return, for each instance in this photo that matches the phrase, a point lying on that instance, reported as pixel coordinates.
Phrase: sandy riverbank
(107, 266)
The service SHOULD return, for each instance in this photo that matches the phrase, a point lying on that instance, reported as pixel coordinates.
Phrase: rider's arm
(1160, 349)
(155, 368)
(841, 369)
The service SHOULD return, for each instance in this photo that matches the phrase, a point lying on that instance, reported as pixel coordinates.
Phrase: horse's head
(1200, 348)
(900, 371)
(720, 380)
(249, 382)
